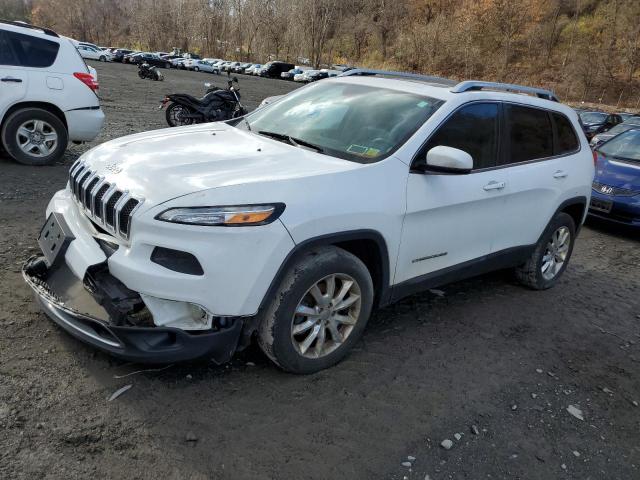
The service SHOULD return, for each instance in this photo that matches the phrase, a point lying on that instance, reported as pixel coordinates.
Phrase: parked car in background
(229, 66)
(597, 122)
(600, 138)
(317, 75)
(627, 116)
(275, 68)
(242, 67)
(203, 66)
(289, 75)
(253, 69)
(131, 57)
(47, 95)
(616, 186)
(91, 53)
(170, 58)
(304, 77)
(120, 53)
(152, 59)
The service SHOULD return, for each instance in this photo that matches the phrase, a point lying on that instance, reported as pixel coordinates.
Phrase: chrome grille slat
(102, 201)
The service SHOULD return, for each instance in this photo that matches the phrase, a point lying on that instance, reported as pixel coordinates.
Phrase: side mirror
(448, 160)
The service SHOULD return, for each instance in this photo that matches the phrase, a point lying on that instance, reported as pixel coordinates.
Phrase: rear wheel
(318, 312)
(176, 115)
(549, 260)
(196, 69)
(34, 137)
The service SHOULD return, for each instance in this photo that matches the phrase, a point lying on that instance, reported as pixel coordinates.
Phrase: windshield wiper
(296, 142)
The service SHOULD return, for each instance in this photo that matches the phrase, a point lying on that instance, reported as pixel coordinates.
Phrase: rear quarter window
(529, 132)
(566, 139)
(30, 51)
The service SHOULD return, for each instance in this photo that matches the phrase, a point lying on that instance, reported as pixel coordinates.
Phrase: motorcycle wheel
(175, 113)
(141, 75)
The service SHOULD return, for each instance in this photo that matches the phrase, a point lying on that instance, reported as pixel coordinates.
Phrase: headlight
(229, 216)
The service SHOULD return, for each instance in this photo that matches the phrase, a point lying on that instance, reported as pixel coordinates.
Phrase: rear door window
(32, 51)
(529, 133)
(473, 129)
(566, 139)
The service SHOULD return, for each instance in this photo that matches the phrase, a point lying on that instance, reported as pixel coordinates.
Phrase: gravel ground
(484, 363)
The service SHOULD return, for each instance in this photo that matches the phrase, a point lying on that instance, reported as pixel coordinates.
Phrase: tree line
(585, 50)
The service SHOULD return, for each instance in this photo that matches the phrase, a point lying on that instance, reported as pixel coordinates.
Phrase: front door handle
(560, 174)
(493, 185)
(11, 79)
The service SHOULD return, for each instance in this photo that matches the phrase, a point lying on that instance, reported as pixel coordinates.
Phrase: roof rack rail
(414, 76)
(471, 85)
(47, 31)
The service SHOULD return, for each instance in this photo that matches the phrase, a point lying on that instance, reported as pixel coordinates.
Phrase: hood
(164, 164)
(617, 172)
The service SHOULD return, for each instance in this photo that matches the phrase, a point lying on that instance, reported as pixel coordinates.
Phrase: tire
(275, 329)
(170, 113)
(196, 69)
(45, 124)
(102, 58)
(167, 65)
(531, 274)
(140, 74)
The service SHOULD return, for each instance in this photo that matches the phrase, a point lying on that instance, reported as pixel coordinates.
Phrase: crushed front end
(73, 284)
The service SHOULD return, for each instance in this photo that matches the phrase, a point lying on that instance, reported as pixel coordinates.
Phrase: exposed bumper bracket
(134, 344)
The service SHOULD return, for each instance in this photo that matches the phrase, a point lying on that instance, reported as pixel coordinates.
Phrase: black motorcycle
(217, 104)
(147, 71)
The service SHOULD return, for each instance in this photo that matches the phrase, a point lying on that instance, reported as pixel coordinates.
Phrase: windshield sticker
(423, 104)
(363, 151)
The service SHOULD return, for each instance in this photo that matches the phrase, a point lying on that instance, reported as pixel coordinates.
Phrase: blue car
(616, 187)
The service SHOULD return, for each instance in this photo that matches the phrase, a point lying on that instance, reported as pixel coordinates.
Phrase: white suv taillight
(87, 79)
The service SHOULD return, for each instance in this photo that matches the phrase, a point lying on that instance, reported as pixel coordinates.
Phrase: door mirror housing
(448, 160)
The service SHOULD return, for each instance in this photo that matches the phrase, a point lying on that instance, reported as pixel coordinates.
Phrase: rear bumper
(84, 124)
(134, 344)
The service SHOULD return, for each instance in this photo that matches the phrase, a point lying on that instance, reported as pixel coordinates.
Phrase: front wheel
(103, 58)
(141, 74)
(549, 260)
(318, 312)
(176, 115)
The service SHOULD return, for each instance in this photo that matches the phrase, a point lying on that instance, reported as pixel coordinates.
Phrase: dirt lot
(483, 355)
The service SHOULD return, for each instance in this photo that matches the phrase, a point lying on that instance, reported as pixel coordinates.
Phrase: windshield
(592, 117)
(625, 146)
(355, 122)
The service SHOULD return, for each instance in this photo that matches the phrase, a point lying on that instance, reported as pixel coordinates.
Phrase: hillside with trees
(585, 50)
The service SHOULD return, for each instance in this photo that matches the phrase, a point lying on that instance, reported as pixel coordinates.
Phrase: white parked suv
(47, 95)
(291, 224)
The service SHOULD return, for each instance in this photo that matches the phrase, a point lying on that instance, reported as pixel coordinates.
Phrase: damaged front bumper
(67, 301)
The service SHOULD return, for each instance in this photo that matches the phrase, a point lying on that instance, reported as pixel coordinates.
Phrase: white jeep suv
(293, 223)
(47, 94)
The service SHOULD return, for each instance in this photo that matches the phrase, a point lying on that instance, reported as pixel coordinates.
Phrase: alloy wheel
(326, 315)
(37, 138)
(556, 253)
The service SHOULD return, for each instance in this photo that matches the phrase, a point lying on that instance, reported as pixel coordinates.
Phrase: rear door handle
(493, 185)
(560, 174)
(11, 79)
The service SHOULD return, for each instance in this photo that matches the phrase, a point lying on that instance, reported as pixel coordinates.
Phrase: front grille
(105, 204)
(614, 191)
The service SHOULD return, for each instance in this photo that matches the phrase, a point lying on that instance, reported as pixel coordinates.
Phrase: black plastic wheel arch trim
(384, 293)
